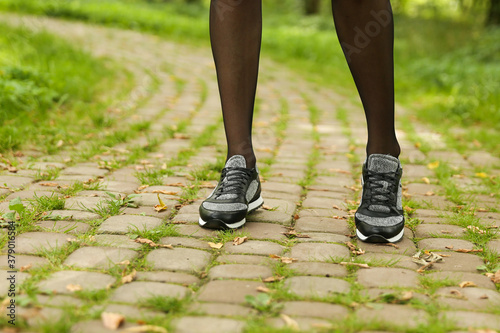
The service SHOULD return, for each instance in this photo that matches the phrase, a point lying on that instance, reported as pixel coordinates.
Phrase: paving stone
(151, 199)
(121, 241)
(386, 259)
(324, 203)
(319, 269)
(323, 237)
(167, 277)
(419, 189)
(318, 212)
(284, 206)
(483, 158)
(76, 215)
(228, 291)
(99, 257)
(58, 281)
(421, 213)
(262, 215)
(96, 326)
(489, 218)
(319, 252)
(123, 224)
(36, 317)
(14, 182)
(315, 286)
(436, 230)
(191, 324)
(59, 300)
(85, 169)
(305, 324)
(412, 171)
(179, 259)
(65, 226)
(44, 166)
(334, 181)
(186, 242)
(322, 224)
(315, 309)
(84, 203)
(244, 259)
(468, 298)
(387, 277)
(192, 230)
(98, 194)
(256, 230)
(5, 284)
(435, 201)
(321, 195)
(405, 246)
(468, 319)
(375, 294)
(33, 242)
(30, 194)
(132, 312)
(281, 187)
(240, 271)
(221, 309)
(442, 243)
(75, 178)
(23, 261)
(124, 187)
(148, 211)
(392, 314)
(254, 247)
(494, 245)
(136, 291)
(459, 262)
(456, 277)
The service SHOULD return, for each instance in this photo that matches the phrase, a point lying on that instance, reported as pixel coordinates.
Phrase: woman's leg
(366, 32)
(235, 33)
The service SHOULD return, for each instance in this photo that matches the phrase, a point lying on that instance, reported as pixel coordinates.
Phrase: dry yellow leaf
(273, 279)
(418, 145)
(262, 289)
(73, 287)
(151, 243)
(142, 187)
(481, 175)
(289, 322)
(426, 180)
(466, 284)
(433, 165)
(215, 245)
(161, 207)
(112, 320)
(165, 192)
(48, 184)
(25, 268)
(354, 264)
(147, 329)
(130, 277)
(125, 262)
(240, 240)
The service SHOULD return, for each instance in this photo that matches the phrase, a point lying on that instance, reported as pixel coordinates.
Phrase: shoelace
(381, 194)
(236, 179)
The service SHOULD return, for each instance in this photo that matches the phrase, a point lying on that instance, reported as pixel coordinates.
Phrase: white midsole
(251, 206)
(390, 240)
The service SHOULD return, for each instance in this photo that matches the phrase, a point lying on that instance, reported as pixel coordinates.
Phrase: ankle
(392, 149)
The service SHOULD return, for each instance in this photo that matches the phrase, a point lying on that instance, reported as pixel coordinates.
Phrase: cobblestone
(387, 277)
(319, 252)
(179, 259)
(88, 281)
(99, 257)
(240, 271)
(123, 224)
(138, 291)
(314, 286)
(228, 291)
(34, 242)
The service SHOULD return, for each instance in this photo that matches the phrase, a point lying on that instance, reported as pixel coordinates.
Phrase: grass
(45, 100)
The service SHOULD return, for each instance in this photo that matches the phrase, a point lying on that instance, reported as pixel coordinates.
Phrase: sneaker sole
(378, 238)
(221, 225)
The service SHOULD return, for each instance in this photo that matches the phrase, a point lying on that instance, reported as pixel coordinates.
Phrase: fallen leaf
(433, 165)
(266, 207)
(262, 289)
(74, 287)
(293, 234)
(112, 320)
(59, 143)
(354, 264)
(25, 268)
(483, 296)
(429, 194)
(426, 180)
(273, 279)
(465, 284)
(130, 277)
(240, 240)
(449, 247)
(392, 245)
(289, 322)
(147, 329)
(456, 293)
(287, 260)
(418, 145)
(125, 262)
(215, 245)
(496, 277)
(165, 192)
(151, 243)
(49, 184)
(161, 207)
(354, 249)
(337, 207)
(481, 175)
(12, 169)
(142, 187)
(406, 295)
(469, 251)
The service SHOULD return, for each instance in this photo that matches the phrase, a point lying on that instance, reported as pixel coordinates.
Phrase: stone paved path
(71, 257)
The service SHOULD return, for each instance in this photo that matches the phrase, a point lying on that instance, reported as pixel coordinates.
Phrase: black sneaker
(237, 194)
(380, 217)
